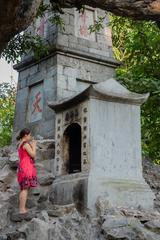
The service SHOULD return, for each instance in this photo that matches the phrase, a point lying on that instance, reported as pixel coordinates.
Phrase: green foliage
(23, 44)
(57, 20)
(43, 8)
(98, 24)
(7, 106)
(26, 43)
(136, 45)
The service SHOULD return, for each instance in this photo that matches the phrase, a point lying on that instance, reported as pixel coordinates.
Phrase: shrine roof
(109, 90)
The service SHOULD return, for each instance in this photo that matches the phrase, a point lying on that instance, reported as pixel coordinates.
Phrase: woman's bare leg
(22, 201)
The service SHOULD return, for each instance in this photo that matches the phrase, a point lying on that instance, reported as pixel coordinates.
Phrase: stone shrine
(98, 148)
(95, 122)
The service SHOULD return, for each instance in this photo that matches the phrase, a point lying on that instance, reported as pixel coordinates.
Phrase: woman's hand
(34, 143)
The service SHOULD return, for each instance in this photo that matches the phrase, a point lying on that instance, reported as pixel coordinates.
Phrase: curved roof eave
(109, 90)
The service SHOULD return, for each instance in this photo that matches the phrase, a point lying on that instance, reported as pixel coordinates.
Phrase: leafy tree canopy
(136, 45)
(7, 106)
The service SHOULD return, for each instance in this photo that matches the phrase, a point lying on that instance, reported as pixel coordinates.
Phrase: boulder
(13, 160)
(3, 214)
(144, 234)
(31, 202)
(36, 229)
(5, 196)
(39, 137)
(57, 210)
(115, 222)
(3, 161)
(151, 173)
(8, 178)
(127, 229)
(3, 237)
(43, 196)
(4, 172)
(45, 150)
(43, 215)
(46, 165)
(46, 179)
(153, 225)
(12, 234)
(17, 217)
(4, 152)
(35, 191)
(102, 205)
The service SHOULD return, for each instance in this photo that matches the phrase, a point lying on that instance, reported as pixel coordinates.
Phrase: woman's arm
(31, 150)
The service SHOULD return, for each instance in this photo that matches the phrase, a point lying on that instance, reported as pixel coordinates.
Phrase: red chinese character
(40, 28)
(84, 28)
(36, 107)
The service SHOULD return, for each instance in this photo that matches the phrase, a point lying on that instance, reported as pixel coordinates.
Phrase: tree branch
(137, 9)
(17, 15)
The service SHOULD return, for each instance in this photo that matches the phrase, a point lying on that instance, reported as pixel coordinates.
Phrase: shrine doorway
(72, 148)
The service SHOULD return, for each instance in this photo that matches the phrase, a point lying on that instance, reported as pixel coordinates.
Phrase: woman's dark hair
(23, 132)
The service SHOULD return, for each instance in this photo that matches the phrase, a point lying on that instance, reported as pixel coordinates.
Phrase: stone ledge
(72, 53)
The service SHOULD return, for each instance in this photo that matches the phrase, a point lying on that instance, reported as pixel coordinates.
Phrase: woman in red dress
(26, 171)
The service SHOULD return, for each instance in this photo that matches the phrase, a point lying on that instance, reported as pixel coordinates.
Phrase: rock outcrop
(46, 221)
(151, 173)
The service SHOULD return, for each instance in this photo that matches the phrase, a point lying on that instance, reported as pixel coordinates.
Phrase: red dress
(26, 171)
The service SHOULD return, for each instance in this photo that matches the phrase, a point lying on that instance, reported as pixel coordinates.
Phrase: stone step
(17, 217)
(60, 210)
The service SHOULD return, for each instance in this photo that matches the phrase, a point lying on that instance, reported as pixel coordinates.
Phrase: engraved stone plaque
(41, 26)
(35, 104)
(82, 22)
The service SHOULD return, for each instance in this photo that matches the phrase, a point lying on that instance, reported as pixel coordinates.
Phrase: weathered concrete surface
(70, 189)
(116, 143)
